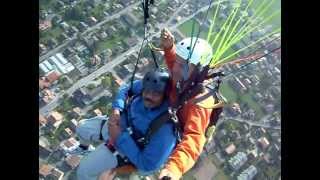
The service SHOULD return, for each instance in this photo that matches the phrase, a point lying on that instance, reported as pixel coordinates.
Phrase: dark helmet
(155, 80)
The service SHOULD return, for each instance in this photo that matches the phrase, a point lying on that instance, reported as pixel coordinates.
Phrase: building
(47, 96)
(93, 20)
(55, 119)
(58, 63)
(73, 161)
(49, 172)
(66, 133)
(230, 149)
(95, 60)
(42, 120)
(44, 150)
(69, 145)
(264, 142)
(81, 97)
(44, 25)
(238, 160)
(73, 125)
(53, 76)
(76, 113)
(50, 78)
(248, 174)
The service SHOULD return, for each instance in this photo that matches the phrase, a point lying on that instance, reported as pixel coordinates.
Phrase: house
(49, 172)
(83, 26)
(95, 60)
(238, 160)
(55, 119)
(42, 120)
(76, 112)
(97, 112)
(44, 150)
(42, 48)
(73, 125)
(230, 149)
(264, 142)
(69, 145)
(53, 76)
(73, 161)
(93, 20)
(44, 25)
(248, 174)
(45, 170)
(47, 95)
(253, 154)
(64, 25)
(81, 97)
(66, 133)
(50, 78)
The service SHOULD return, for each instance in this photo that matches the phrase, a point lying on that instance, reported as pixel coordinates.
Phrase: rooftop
(45, 169)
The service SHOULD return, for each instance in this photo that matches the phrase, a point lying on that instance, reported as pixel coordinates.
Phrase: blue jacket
(161, 144)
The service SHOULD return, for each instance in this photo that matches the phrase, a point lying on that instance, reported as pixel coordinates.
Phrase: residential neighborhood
(88, 49)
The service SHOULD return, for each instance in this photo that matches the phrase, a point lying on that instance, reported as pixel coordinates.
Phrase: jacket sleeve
(122, 95)
(189, 149)
(154, 154)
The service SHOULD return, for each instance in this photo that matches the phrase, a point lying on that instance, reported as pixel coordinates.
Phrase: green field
(232, 96)
(276, 22)
(50, 33)
(228, 92)
(252, 104)
(109, 43)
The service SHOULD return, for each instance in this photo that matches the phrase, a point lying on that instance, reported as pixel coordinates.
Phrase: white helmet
(202, 52)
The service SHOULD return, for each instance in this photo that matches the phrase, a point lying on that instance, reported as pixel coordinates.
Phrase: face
(152, 99)
(177, 70)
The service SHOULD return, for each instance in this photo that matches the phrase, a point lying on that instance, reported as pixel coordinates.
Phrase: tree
(75, 14)
(91, 86)
(106, 82)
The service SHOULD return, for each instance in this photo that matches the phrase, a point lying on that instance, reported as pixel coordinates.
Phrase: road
(109, 66)
(250, 123)
(96, 26)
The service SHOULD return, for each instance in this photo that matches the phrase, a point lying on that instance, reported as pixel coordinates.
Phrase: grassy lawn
(228, 92)
(252, 104)
(276, 22)
(51, 33)
(109, 43)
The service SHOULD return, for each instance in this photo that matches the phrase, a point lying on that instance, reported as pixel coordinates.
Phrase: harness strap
(101, 126)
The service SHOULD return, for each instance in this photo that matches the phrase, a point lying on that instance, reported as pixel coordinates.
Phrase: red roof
(53, 76)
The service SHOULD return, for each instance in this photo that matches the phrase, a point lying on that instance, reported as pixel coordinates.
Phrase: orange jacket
(194, 119)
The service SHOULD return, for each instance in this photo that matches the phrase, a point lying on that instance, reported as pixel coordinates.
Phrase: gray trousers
(101, 159)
